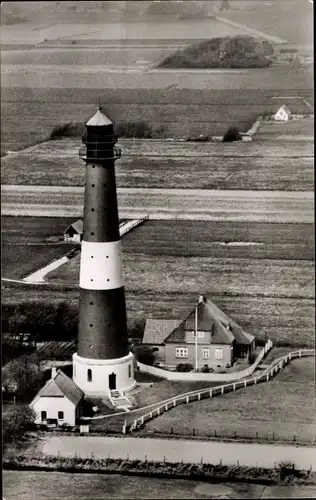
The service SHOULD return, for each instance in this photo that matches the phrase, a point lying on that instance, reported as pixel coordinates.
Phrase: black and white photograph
(157, 250)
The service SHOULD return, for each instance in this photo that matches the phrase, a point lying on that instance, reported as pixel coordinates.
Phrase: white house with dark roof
(59, 401)
(206, 337)
(74, 232)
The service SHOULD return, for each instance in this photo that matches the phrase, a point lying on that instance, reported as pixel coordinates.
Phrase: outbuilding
(283, 114)
(74, 232)
(59, 401)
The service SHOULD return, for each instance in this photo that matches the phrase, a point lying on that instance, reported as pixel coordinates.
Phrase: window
(218, 353)
(206, 353)
(200, 335)
(43, 415)
(60, 415)
(181, 352)
(129, 371)
(89, 375)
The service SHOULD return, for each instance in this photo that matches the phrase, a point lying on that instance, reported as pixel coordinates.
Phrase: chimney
(54, 371)
(202, 299)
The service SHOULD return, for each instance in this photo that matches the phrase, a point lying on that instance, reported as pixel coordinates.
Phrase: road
(175, 450)
(164, 204)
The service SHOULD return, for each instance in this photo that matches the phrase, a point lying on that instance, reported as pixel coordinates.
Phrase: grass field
(267, 288)
(296, 25)
(285, 406)
(43, 486)
(30, 243)
(264, 164)
(35, 111)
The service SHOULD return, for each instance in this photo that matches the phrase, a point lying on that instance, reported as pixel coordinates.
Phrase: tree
(17, 422)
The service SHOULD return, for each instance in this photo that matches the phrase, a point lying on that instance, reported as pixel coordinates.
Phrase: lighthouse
(102, 362)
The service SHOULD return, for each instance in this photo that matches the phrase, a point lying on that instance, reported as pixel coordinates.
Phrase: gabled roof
(77, 226)
(210, 318)
(60, 386)
(99, 120)
(285, 108)
(205, 322)
(156, 330)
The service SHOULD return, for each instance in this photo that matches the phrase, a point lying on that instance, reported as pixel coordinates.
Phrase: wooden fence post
(199, 396)
(267, 377)
(223, 390)
(166, 407)
(211, 394)
(255, 380)
(158, 411)
(300, 353)
(188, 399)
(174, 402)
(245, 383)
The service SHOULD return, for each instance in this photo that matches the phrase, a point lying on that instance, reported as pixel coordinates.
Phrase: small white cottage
(74, 232)
(59, 401)
(283, 114)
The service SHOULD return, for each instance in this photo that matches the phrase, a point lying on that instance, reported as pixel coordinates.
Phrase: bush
(138, 129)
(16, 423)
(205, 369)
(287, 470)
(56, 321)
(131, 129)
(145, 355)
(232, 135)
(184, 367)
(222, 52)
(73, 129)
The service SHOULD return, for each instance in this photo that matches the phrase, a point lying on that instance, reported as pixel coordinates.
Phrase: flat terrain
(165, 204)
(30, 243)
(285, 406)
(267, 286)
(175, 450)
(31, 485)
(267, 163)
(296, 25)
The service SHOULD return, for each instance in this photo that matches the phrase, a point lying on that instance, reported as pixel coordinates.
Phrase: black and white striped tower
(103, 361)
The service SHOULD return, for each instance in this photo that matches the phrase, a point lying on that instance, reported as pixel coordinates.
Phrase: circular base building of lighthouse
(96, 377)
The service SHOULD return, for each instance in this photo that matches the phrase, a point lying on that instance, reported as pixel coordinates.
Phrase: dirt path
(262, 455)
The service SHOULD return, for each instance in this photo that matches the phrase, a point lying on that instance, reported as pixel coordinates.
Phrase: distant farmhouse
(74, 232)
(283, 114)
(207, 336)
(58, 402)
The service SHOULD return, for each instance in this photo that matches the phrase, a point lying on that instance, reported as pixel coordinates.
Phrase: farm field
(279, 292)
(30, 243)
(183, 111)
(268, 289)
(297, 19)
(31, 485)
(264, 164)
(285, 406)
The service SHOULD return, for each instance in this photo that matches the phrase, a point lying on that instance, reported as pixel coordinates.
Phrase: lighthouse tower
(103, 361)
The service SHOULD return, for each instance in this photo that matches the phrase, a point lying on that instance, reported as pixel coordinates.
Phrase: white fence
(189, 397)
(207, 377)
(128, 226)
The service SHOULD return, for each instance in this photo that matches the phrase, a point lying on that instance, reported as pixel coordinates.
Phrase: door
(112, 381)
